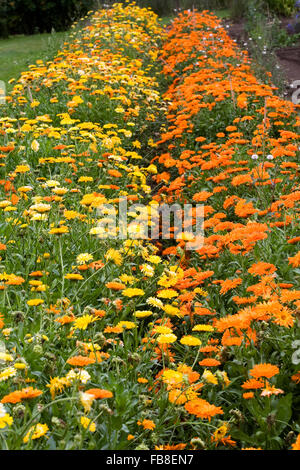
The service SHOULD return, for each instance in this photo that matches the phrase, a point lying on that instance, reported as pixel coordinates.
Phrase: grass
(224, 14)
(18, 52)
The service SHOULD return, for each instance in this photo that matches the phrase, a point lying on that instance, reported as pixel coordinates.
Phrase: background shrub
(40, 16)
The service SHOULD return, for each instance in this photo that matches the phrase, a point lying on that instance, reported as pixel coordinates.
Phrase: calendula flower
(264, 370)
(147, 270)
(128, 325)
(22, 168)
(132, 292)
(203, 328)
(166, 339)
(57, 385)
(115, 256)
(35, 145)
(190, 341)
(35, 432)
(202, 409)
(147, 424)
(59, 231)
(88, 424)
(5, 374)
(209, 377)
(164, 330)
(143, 313)
(81, 323)
(99, 393)
(154, 302)
(5, 418)
(84, 258)
(86, 400)
(82, 375)
(35, 302)
(167, 294)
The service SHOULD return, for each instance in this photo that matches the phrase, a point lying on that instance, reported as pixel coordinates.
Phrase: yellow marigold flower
(143, 313)
(128, 325)
(6, 332)
(57, 385)
(22, 168)
(59, 231)
(164, 330)
(115, 256)
(166, 339)
(190, 341)
(34, 103)
(20, 365)
(152, 169)
(6, 373)
(88, 424)
(220, 432)
(35, 432)
(86, 400)
(85, 179)
(35, 145)
(69, 215)
(84, 258)
(5, 418)
(154, 302)
(177, 396)
(127, 279)
(203, 328)
(5, 356)
(209, 377)
(147, 270)
(74, 277)
(154, 259)
(35, 302)
(201, 291)
(83, 322)
(167, 293)
(173, 378)
(172, 311)
(132, 292)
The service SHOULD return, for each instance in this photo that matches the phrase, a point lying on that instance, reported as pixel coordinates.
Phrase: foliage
(40, 16)
(19, 52)
(282, 7)
(140, 343)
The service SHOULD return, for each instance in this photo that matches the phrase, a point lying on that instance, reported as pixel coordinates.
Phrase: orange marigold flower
(209, 362)
(253, 384)
(115, 285)
(264, 370)
(295, 260)
(147, 424)
(99, 393)
(202, 409)
(80, 361)
(296, 445)
(229, 284)
(19, 395)
(296, 377)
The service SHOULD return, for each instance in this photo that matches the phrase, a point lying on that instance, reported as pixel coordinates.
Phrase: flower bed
(119, 342)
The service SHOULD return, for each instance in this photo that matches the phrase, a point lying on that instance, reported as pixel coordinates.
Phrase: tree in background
(31, 16)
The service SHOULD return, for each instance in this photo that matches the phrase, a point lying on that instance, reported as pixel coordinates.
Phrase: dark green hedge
(31, 16)
(38, 16)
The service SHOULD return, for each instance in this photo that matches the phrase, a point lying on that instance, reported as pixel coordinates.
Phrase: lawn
(18, 52)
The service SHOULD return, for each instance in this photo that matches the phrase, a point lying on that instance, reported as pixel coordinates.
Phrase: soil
(288, 57)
